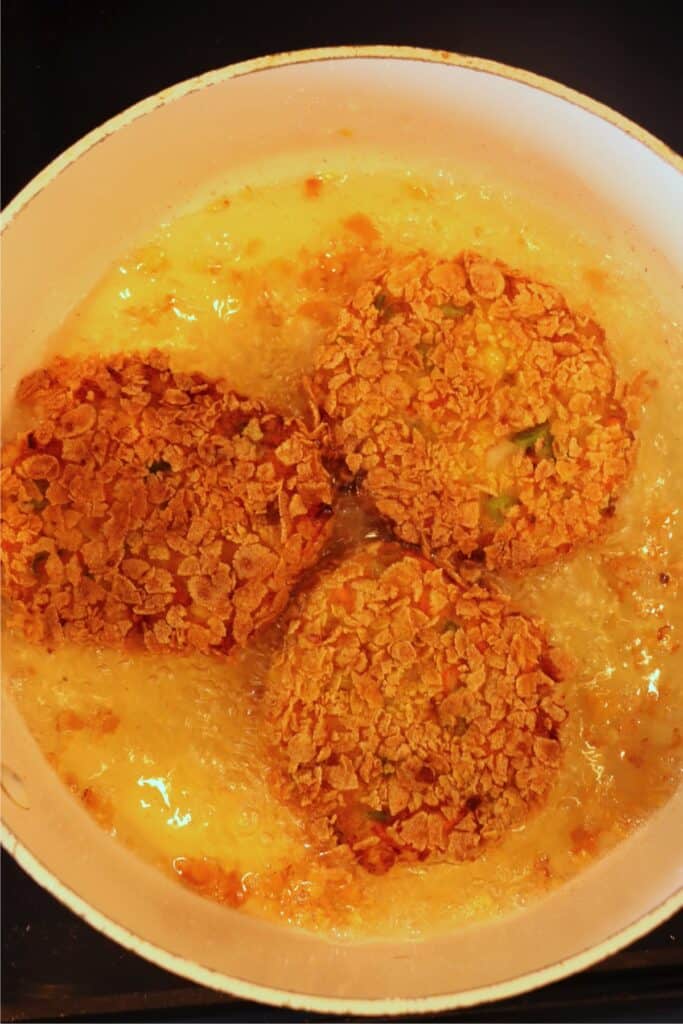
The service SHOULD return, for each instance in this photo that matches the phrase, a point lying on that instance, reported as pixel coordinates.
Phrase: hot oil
(168, 752)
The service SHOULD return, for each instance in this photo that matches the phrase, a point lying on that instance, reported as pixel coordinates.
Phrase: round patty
(155, 505)
(411, 714)
(481, 415)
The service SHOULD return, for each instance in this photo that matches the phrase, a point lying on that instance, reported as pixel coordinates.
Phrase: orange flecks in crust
(155, 506)
(485, 416)
(410, 714)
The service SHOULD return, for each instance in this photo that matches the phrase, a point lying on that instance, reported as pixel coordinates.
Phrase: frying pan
(62, 232)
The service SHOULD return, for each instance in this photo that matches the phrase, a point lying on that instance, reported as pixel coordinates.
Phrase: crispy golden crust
(412, 715)
(481, 413)
(157, 506)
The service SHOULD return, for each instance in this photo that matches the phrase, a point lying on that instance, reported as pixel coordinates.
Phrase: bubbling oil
(168, 753)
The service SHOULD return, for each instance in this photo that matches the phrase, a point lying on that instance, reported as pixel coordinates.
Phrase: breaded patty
(481, 415)
(155, 505)
(412, 715)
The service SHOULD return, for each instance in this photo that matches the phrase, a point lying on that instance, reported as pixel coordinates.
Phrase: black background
(68, 66)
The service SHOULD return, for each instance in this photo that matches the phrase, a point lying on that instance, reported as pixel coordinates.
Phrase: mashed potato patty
(412, 715)
(155, 505)
(481, 415)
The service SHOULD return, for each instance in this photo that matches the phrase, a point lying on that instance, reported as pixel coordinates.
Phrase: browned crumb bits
(210, 880)
(484, 417)
(153, 505)
(412, 715)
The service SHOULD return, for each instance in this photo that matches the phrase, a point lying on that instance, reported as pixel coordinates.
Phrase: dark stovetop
(57, 967)
(68, 66)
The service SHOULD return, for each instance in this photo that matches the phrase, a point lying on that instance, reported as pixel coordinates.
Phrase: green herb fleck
(387, 306)
(38, 504)
(497, 505)
(451, 312)
(528, 438)
(160, 466)
(450, 626)
(383, 817)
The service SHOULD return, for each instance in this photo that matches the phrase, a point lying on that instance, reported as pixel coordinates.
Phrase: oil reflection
(162, 786)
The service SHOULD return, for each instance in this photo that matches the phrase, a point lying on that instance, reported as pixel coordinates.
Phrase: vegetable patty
(481, 415)
(155, 505)
(412, 715)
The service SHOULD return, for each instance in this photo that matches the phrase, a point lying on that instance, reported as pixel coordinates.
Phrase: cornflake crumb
(153, 506)
(409, 713)
(485, 415)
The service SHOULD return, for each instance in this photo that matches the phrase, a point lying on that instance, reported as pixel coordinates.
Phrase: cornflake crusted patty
(158, 505)
(482, 415)
(412, 715)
